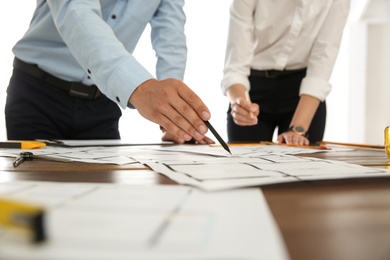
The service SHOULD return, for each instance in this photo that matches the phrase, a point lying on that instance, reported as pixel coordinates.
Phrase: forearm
(237, 91)
(167, 34)
(305, 111)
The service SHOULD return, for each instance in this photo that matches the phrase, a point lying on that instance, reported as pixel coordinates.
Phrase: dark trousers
(36, 110)
(278, 98)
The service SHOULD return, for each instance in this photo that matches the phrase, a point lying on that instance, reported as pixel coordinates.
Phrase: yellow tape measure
(387, 141)
(24, 218)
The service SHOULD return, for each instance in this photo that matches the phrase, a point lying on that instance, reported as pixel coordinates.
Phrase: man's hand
(167, 136)
(174, 106)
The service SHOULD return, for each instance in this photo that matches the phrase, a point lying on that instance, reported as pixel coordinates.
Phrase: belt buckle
(271, 74)
(80, 90)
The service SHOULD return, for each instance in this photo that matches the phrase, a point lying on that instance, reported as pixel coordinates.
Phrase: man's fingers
(185, 113)
(195, 102)
(206, 140)
(186, 117)
(174, 106)
(167, 136)
(194, 111)
(173, 128)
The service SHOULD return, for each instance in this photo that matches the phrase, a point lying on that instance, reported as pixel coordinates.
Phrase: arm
(315, 86)
(96, 48)
(303, 116)
(169, 43)
(168, 39)
(239, 53)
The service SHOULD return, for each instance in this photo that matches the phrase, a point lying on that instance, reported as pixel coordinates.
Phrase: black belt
(274, 73)
(75, 89)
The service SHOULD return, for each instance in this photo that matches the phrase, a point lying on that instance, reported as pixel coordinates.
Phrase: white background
(206, 30)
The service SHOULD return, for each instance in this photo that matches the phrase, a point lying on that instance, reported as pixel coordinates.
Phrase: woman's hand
(293, 138)
(243, 111)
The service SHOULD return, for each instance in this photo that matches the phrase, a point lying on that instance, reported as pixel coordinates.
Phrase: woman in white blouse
(279, 58)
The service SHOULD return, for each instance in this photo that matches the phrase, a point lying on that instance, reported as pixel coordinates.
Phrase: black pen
(215, 133)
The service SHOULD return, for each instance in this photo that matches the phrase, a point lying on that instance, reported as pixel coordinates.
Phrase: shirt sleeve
(116, 72)
(324, 52)
(168, 39)
(240, 44)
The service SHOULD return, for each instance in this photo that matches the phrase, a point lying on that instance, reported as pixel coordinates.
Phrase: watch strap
(299, 130)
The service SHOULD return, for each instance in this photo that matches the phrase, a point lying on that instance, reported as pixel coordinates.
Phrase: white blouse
(285, 34)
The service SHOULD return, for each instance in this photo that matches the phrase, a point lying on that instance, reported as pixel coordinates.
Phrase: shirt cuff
(124, 81)
(228, 81)
(315, 87)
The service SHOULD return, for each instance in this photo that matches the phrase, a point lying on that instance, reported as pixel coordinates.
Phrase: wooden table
(334, 219)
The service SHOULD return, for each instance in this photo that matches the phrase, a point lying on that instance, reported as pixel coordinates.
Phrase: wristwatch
(299, 130)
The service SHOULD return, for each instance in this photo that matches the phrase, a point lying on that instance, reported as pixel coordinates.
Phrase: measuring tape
(24, 218)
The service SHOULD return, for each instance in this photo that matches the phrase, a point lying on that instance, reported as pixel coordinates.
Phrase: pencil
(219, 138)
(319, 147)
(351, 144)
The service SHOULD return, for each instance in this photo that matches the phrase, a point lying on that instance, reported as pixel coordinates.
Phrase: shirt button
(89, 72)
(117, 99)
(113, 16)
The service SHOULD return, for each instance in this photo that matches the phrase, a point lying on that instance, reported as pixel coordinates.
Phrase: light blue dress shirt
(92, 42)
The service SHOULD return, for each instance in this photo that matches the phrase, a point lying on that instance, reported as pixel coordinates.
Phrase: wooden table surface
(333, 219)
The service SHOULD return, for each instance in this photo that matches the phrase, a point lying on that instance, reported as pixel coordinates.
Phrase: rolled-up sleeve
(324, 52)
(239, 49)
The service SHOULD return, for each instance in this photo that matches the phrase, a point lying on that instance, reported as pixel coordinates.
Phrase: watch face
(299, 129)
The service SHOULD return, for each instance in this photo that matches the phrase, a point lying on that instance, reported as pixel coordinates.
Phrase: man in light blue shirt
(74, 69)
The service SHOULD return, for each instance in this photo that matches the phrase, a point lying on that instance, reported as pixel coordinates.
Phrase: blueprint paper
(111, 221)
